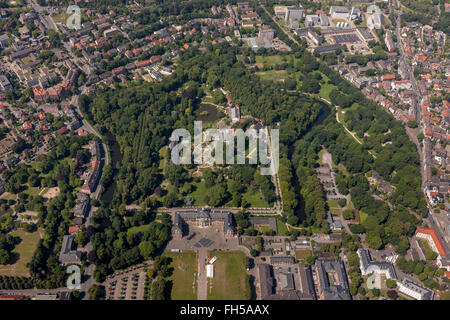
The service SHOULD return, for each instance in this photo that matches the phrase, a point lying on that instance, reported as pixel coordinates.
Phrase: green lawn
(272, 75)
(60, 18)
(256, 199)
(199, 194)
(302, 254)
(335, 211)
(231, 281)
(268, 61)
(33, 191)
(24, 250)
(137, 229)
(325, 90)
(282, 229)
(362, 217)
(184, 283)
(332, 204)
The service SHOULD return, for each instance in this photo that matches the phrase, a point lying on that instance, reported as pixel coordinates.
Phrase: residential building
(339, 12)
(367, 266)
(294, 14)
(68, 255)
(429, 234)
(82, 205)
(415, 290)
(332, 279)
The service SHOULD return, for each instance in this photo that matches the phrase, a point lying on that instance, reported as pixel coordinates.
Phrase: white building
(311, 20)
(376, 21)
(415, 290)
(294, 14)
(376, 267)
(339, 12)
(235, 114)
(210, 271)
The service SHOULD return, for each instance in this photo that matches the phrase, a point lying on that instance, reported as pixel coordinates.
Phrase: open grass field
(231, 281)
(33, 191)
(199, 194)
(281, 227)
(272, 75)
(134, 230)
(60, 18)
(302, 254)
(362, 217)
(24, 250)
(256, 199)
(268, 61)
(325, 90)
(333, 204)
(184, 283)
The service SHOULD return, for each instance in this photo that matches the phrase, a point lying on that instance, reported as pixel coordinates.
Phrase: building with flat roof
(415, 290)
(288, 290)
(266, 34)
(332, 279)
(281, 260)
(68, 255)
(82, 205)
(339, 12)
(287, 281)
(293, 14)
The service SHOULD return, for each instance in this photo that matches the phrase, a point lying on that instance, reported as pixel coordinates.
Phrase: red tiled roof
(433, 235)
(74, 229)
(388, 77)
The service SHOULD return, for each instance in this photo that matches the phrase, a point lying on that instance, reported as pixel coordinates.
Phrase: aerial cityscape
(224, 150)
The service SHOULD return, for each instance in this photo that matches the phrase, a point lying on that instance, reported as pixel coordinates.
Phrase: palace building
(202, 218)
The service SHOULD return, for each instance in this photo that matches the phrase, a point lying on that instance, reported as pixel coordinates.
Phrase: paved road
(202, 282)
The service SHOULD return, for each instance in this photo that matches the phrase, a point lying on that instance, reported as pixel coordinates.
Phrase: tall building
(293, 14)
(266, 34)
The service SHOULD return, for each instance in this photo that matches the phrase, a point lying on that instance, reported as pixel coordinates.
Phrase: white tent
(210, 271)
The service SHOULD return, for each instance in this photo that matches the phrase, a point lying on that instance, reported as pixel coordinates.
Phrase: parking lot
(126, 286)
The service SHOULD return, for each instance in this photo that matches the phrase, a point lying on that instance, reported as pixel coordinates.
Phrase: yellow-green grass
(268, 61)
(332, 204)
(281, 227)
(319, 160)
(325, 90)
(24, 251)
(231, 281)
(362, 217)
(32, 191)
(184, 283)
(60, 18)
(263, 228)
(134, 230)
(302, 254)
(199, 194)
(272, 75)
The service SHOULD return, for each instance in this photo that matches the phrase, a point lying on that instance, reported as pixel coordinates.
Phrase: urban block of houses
(337, 288)
(367, 266)
(68, 254)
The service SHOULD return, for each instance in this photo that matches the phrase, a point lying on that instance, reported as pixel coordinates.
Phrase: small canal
(115, 160)
(300, 209)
